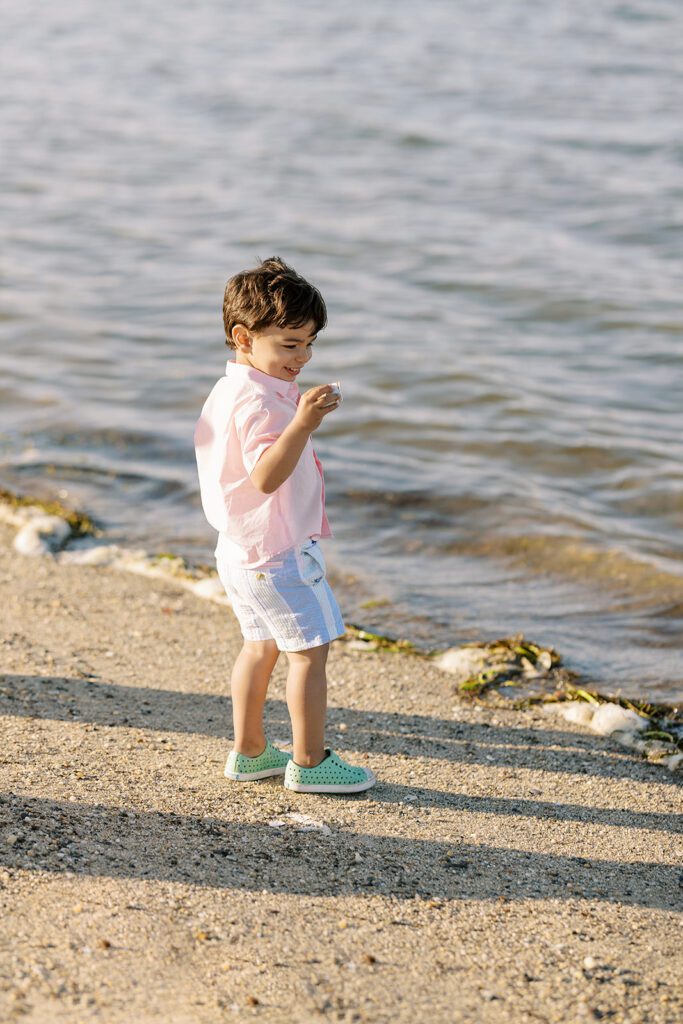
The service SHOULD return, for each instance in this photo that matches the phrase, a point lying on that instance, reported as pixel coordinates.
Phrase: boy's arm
(280, 460)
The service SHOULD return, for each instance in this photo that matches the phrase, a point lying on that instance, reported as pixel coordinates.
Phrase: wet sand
(507, 867)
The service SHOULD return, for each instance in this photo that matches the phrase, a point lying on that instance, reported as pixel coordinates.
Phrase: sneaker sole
(356, 787)
(267, 773)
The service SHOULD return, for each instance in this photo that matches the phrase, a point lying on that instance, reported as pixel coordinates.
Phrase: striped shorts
(287, 600)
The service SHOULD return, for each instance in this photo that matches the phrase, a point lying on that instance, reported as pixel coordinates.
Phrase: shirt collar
(273, 385)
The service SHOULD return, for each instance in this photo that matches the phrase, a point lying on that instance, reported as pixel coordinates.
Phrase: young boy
(262, 489)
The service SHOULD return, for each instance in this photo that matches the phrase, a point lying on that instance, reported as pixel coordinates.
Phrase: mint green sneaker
(241, 768)
(332, 775)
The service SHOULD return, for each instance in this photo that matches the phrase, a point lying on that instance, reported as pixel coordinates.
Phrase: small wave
(72, 472)
(574, 559)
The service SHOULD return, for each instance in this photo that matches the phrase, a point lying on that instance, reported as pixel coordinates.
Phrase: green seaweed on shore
(653, 712)
(587, 696)
(379, 642)
(81, 525)
(661, 738)
(665, 721)
(510, 662)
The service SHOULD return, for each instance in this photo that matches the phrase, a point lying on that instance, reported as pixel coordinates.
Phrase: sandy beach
(506, 867)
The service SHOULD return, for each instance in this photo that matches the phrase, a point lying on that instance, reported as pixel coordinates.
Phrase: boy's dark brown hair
(271, 295)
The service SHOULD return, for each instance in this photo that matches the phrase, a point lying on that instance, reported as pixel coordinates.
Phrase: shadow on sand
(89, 839)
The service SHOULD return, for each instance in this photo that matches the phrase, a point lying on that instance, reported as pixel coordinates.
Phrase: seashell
(42, 535)
(609, 718)
(577, 711)
(462, 661)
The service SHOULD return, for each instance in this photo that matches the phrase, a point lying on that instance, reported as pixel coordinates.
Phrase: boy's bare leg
(307, 703)
(249, 685)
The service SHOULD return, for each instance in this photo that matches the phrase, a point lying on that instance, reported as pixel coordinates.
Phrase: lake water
(490, 198)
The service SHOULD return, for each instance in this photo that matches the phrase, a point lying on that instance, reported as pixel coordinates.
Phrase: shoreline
(510, 672)
(535, 867)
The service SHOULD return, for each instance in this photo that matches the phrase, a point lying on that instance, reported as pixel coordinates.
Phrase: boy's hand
(314, 405)
(279, 461)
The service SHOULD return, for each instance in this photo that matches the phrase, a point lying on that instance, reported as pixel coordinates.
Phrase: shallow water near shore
(488, 212)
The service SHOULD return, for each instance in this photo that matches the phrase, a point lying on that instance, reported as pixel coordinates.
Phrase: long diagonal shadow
(212, 852)
(63, 698)
(107, 704)
(525, 808)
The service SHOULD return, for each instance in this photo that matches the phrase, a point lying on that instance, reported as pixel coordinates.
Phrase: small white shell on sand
(42, 535)
(544, 663)
(361, 645)
(308, 824)
(462, 661)
(609, 718)
(577, 711)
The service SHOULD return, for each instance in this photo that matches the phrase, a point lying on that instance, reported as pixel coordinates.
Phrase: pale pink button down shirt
(245, 413)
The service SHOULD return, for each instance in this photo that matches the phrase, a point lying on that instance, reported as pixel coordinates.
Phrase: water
(489, 198)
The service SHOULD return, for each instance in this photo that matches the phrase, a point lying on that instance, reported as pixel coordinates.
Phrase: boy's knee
(312, 655)
(261, 648)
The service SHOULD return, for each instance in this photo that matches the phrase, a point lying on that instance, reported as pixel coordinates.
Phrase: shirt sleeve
(258, 426)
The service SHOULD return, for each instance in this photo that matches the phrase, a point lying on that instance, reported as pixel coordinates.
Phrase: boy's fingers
(317, 392)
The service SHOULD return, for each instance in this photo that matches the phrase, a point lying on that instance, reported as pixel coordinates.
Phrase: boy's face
(280, 352)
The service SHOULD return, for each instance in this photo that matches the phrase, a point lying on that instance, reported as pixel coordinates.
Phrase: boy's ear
(240, 336)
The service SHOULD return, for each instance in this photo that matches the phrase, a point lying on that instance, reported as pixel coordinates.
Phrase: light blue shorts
(287, 600)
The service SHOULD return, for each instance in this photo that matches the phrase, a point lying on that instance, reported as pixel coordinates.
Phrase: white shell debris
(610, 718)
(361, 645)
(20, 515)
(604, 719)
(544, 663)
(304, 821)
(308, 824)
(577, 711)
(462, 661)
(42, 535)
(621, 724)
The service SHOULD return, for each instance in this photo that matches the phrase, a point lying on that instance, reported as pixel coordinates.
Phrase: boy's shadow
(137, 707)
(86, 838)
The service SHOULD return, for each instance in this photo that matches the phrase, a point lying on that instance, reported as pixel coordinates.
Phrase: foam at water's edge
(656, 736)
(40, 534)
